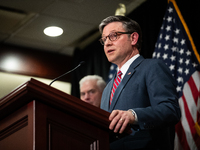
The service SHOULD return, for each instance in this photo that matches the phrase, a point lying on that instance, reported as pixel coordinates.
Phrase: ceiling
(23, 22)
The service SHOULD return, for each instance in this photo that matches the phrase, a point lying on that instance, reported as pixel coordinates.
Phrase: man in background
(91, 89)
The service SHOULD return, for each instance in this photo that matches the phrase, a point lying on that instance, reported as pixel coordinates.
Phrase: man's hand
(120, 120)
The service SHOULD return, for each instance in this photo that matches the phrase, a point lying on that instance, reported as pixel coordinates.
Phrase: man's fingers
(114, 121)
(118, 124)
(123, 127)
(113, 114)
(119, 120)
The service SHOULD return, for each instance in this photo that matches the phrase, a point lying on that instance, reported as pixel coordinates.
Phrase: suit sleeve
(161, 87)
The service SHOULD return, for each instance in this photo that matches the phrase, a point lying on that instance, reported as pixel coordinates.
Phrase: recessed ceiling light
(53, 31)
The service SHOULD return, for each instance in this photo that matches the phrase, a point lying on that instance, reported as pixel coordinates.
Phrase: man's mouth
(111, 50)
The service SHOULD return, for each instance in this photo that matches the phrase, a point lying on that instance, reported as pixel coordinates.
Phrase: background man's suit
(148, 89)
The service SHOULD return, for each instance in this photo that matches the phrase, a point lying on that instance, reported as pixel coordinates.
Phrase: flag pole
(186, 29)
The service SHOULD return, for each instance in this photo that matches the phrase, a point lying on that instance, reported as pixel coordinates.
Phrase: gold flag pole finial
(121, 10)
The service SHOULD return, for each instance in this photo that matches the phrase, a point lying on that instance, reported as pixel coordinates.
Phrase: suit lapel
(108, 93)
(121, 87)
(130, 72)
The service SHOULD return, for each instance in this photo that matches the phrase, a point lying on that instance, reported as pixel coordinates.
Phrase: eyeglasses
(112, 36)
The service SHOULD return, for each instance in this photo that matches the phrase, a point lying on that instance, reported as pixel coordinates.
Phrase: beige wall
(8, 82)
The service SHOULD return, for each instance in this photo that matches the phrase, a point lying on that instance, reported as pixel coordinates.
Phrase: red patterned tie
(115, 84)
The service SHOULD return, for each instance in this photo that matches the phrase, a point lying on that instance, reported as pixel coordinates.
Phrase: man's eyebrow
(109, 33)
(91, 90)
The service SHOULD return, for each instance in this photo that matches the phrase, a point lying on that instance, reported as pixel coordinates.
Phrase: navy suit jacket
(149, 89)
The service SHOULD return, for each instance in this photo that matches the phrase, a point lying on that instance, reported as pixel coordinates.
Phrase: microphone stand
(67, 72)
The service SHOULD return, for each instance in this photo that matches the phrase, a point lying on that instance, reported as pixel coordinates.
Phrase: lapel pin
(129, 73)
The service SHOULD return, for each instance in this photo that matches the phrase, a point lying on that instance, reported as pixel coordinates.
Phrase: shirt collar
(125, 67)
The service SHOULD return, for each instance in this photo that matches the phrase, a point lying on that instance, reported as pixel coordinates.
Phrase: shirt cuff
(134, 114)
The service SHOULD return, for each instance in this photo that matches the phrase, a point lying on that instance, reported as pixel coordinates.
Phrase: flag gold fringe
(186, 29)
(197, 127)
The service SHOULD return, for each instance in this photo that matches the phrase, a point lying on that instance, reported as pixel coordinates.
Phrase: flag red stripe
(181, 135)
(195, 94)
(188, 114)
(190, 121)
(194, 89)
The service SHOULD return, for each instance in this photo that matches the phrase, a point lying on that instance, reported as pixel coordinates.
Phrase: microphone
(81, 63)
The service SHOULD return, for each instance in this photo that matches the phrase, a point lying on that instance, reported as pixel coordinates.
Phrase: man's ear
(134, 38)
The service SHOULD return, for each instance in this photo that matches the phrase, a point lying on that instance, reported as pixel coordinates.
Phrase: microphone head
(82, 62)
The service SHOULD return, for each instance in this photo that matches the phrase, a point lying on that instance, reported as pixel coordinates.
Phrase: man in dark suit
(145, 96)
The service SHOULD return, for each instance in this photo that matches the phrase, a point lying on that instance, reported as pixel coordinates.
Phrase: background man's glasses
(112, 36)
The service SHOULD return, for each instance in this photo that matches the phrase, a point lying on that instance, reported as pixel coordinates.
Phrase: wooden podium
(36, 116)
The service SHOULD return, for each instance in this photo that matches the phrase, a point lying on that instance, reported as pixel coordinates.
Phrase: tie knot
(119, 73)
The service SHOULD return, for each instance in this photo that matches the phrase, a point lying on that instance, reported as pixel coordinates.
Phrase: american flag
(176, 48)
(112, 72)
